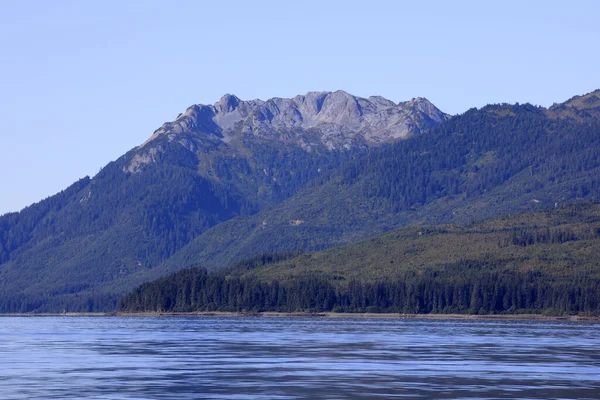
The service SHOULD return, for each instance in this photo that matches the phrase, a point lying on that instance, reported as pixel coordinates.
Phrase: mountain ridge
(501, 158)
(145, 206)
(334, 119)
(580, 107)
(190, 197)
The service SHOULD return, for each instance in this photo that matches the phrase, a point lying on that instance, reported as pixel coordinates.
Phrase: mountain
(335, 120)
(82, 248)
(225, 182)
(488, 162)
(535, 262)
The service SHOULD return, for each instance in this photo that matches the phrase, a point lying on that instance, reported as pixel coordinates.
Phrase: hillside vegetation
(198, 195)
(82, 248)
(484, 163)
(534, 262)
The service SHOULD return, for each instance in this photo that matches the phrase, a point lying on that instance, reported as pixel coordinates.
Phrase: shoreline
(329, 315)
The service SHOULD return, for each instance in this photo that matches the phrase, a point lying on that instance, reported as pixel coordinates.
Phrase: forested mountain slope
(228, 181)
(80, 249)
(488, 162)
(535, 262)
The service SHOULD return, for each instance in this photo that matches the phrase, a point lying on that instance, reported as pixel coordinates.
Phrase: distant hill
(531, 262)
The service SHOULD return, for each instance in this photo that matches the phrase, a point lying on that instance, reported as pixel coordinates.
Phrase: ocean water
(295, 358)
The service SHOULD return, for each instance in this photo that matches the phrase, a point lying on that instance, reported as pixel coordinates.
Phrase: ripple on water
(285, 358)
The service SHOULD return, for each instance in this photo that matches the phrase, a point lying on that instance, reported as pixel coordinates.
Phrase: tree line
(466, 287)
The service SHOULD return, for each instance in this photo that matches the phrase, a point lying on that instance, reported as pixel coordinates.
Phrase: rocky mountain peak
(227, 103)
(382, 101)
(335, 120)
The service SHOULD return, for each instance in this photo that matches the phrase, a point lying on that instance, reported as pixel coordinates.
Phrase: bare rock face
(336, 120)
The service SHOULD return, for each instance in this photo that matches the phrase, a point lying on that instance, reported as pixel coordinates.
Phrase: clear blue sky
(82, 82)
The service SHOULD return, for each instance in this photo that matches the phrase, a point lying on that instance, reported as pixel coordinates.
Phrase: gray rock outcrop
(336, 120)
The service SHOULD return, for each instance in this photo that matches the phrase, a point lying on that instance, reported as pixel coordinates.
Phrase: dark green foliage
(472, 154)
(534, 262)
(260, 260)
(461, 288)
(99, 237)
(17, 229)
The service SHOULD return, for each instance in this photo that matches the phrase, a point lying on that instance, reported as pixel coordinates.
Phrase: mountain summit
(237, 178)
(336, 120)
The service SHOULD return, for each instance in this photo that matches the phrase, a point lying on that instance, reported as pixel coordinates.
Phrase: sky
(83, 82)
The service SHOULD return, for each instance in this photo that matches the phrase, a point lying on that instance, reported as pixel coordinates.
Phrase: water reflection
(284, 358)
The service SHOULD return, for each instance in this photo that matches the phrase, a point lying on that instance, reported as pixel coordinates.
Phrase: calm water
(286, 358)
